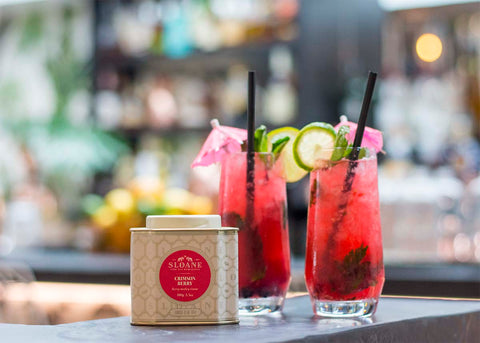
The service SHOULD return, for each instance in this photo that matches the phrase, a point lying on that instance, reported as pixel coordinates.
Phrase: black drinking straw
(357, 142)
(254, 245)
(367, 99)
(250, 146)
(347, 185)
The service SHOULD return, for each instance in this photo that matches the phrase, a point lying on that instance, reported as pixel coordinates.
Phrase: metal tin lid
(187, 229)
(184, 221)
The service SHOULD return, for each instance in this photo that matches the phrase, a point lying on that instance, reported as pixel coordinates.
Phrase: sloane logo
(185, 262)
(185, 275)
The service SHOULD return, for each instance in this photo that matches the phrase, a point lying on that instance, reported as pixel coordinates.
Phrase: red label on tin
(185, 275)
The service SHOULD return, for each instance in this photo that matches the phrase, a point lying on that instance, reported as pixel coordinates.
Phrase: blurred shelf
(204, 60)
(72, 266)
(433, 279)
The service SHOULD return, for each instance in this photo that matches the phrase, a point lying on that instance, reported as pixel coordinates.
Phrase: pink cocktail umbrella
(372, 138)
(221, 141)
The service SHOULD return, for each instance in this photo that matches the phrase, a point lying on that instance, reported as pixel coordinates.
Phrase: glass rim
(370, 155)
(255, 152)
(358, 148)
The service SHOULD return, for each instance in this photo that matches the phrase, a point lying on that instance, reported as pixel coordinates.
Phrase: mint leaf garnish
(341, 143)
(355, 256)
(348, 150)
(233, 219)
(260, 139)
(278, 145)
(354, 273)
(259, 274)
(361, 154)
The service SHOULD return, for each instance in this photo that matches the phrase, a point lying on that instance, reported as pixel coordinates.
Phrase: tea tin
(184, 270)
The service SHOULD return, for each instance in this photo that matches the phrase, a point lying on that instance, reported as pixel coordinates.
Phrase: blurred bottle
(157, 40)
(191, 96)
(205, 30)
(161, 105)
(134, 31)
(462, 150)
(231, 15)
(177, 41)
(31, 214)
(234, 93)
(280, 99)
(106, 34)
(285, 12)
(133, 110)
(392, 116)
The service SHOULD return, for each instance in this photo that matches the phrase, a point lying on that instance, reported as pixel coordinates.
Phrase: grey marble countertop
(396, 320)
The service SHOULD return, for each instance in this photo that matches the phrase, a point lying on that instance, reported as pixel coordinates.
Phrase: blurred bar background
(104, 105)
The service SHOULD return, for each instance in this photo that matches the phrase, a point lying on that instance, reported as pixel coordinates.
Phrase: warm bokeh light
(429, 47)
(59, 303)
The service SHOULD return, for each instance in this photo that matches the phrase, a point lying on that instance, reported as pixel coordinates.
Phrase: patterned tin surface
(184, 276)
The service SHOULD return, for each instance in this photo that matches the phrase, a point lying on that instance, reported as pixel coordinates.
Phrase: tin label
(185, 275)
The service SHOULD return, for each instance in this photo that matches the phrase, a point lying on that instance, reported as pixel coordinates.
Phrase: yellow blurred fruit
(105, 216)
(149, 189)
(121, 200)
(116, 238)
(201, 205)
(177, 200)
(175, 212)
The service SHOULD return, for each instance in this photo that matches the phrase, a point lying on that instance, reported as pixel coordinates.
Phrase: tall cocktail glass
(344, 257)
(263, 245)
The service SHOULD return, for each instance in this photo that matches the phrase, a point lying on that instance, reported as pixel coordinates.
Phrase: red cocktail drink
(264, 252)
(344, 259)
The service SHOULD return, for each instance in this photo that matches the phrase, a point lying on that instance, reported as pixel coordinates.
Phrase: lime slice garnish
(292, 171)
(315, 141)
